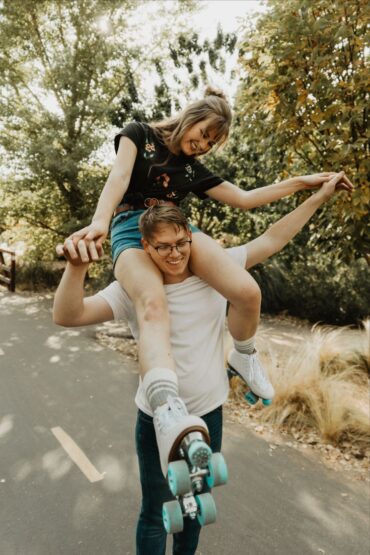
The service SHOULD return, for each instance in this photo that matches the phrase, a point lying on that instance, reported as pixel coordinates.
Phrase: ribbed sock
(159, 384)
(246, 347)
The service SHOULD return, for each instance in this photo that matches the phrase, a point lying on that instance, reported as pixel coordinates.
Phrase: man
(197, 315)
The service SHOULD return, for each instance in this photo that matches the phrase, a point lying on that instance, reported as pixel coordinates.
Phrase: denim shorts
(125, 233)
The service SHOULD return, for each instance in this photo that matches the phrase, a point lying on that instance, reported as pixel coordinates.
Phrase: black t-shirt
(159, 173)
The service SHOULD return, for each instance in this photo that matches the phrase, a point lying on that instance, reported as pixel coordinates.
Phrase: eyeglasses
(165, 250)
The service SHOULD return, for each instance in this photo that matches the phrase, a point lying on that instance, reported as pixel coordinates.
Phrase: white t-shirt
(197, 320)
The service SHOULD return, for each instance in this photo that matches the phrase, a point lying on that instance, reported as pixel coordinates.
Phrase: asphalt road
(65, 398)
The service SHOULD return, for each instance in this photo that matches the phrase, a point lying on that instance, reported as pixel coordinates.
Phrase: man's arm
(282, 231)
(228, 193)
(71, 308)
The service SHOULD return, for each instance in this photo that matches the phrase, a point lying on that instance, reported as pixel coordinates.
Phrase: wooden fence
(7, 272)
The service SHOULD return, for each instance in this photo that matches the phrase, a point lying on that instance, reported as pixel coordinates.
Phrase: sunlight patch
(6, 424)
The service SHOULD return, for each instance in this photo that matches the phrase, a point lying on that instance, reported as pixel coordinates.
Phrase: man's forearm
(270, 193)
(282, 231)
(68, 300)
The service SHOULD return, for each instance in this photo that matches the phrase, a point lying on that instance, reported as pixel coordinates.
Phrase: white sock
(245, 347)
(159, 384)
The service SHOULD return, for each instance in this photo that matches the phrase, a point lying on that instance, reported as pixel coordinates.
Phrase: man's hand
(318, 179)
(81, 253)
(328, 188)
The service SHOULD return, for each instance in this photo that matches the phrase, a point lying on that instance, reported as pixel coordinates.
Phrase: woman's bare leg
(142, 280)
(210, 262)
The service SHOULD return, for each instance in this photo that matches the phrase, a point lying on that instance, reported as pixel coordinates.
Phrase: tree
(303, 106)
(72, 70)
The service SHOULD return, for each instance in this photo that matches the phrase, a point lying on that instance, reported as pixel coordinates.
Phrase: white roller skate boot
(250, 369)
(180, 434)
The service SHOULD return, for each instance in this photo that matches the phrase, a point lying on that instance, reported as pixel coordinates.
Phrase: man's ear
(190, 235)
(145, 244)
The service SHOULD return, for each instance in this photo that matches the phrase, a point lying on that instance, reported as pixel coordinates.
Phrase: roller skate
(251, 371)
(188, 463)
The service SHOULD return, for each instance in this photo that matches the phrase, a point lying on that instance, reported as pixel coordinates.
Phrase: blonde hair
(158, 215)
(213, 107)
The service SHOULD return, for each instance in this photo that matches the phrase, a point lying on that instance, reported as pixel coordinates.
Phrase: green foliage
(316, 287)
(69, 71)
(302, 106)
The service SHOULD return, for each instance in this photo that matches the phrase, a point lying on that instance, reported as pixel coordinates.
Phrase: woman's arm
(281, 232)
(228, 193)
(113, 191)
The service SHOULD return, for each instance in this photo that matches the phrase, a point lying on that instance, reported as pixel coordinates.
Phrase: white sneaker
(172, 423)
(252, 372)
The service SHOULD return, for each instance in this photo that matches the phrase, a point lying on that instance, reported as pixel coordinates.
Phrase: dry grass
(323, 386)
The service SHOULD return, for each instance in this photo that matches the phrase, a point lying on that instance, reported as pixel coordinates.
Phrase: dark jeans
(150, 534)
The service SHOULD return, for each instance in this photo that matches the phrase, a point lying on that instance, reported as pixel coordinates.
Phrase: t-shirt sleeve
(205, 180)
(133, 131)
(239, 254)
(118, 300)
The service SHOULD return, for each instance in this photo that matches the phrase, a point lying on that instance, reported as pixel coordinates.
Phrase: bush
(38, 275)
(318, 288)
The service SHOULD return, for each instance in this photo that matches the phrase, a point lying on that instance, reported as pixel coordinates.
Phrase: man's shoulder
(239, 254)
(118, 300)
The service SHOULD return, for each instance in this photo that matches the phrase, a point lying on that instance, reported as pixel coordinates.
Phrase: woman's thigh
(139, 276)
(210, 262)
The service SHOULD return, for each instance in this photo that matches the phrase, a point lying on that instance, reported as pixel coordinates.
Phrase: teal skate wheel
(251, 398)
(218, 474)
(173, 520)
(199, 453)
(178, 478)
(266, 402)
(206, 509)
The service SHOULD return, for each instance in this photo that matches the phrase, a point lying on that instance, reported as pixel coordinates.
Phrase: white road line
(77, 455)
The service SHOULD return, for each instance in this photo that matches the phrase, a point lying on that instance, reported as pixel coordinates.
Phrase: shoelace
(172, 410)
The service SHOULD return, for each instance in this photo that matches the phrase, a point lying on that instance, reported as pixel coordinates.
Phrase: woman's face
(197, 140)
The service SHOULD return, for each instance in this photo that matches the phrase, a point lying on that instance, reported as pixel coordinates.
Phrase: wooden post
(9, 271)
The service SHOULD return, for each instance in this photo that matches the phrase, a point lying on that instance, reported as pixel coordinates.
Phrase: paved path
(56, 381)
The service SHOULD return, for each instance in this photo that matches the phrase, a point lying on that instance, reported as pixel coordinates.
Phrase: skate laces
(169, 413)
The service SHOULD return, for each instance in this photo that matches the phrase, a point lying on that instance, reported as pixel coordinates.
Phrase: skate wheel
(207, 509)
(251, 398)
(218, 474)
(178, 478)
(266, 402)
(172, 517)
(199, 454)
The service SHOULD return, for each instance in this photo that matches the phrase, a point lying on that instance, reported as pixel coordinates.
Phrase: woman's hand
(81, 253)
(318, 179)
(94, 234)
(328, 188)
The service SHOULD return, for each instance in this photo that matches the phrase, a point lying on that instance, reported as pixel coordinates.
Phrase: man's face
(197, 140)
(175, 264)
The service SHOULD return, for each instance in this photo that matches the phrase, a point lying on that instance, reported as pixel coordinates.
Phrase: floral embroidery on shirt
(189, 172)
(163, 179)
(149, 150)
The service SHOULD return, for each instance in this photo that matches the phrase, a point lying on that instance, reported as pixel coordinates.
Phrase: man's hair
(159, 215)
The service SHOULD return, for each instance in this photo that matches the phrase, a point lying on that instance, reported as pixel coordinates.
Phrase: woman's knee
(248, 295)
(154, 308)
